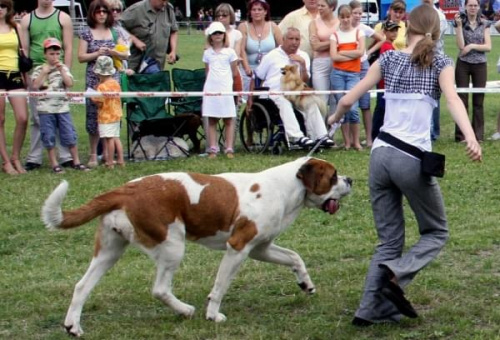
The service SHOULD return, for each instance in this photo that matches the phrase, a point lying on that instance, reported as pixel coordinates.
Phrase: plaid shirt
(474, 36)
(403, 76)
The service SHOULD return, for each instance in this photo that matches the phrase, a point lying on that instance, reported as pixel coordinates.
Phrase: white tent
(66, 4)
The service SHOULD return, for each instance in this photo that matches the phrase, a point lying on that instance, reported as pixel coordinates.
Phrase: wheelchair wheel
(256, 129)
(277, 149)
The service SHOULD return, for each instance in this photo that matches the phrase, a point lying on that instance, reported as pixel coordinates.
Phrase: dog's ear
(306, 175)
(316, 176)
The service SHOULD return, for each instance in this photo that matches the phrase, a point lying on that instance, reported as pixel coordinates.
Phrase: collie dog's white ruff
(241, 213)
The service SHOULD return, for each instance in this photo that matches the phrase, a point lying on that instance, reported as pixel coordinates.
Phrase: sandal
(18, 166)
(9, 169)
(93, 163)
(80, 167)
(229, 153)
(57, 170)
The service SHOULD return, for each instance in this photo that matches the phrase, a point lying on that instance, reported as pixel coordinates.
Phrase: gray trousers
(393, 175)
(35, 154)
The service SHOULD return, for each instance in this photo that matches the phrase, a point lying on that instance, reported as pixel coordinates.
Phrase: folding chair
(186, 80)
(149, 115)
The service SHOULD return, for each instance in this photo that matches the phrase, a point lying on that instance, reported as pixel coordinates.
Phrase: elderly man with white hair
(269, 70)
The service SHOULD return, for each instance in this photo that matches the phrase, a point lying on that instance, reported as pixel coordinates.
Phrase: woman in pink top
(320, 30)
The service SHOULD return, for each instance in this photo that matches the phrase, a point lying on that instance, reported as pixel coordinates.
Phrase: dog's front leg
(273, 254)
(228, 268)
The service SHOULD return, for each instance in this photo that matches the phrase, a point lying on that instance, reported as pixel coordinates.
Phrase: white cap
(215, 26)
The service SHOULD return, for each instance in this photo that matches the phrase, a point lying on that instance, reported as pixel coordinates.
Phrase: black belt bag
(432, 162)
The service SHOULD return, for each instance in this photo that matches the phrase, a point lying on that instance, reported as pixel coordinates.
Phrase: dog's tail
(55, 218)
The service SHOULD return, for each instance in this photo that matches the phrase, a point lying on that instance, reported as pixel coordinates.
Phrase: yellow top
(400, 42)
(8, 52)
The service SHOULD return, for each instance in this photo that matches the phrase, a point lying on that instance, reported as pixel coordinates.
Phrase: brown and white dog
(241, 213)
(291, 81)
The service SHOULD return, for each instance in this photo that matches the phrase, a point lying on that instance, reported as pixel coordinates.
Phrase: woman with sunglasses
(96, 40)
(116, 8)
(11, 80)
(260, 35)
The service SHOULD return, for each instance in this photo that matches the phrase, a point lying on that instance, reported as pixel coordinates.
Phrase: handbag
(432, 163)
(149, 65)
(25, 63)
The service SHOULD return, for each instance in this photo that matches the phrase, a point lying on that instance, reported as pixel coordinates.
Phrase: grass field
(457, 296)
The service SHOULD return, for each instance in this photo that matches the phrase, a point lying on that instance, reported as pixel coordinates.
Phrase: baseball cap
(216, 26)
(390, 25)
(51, 42)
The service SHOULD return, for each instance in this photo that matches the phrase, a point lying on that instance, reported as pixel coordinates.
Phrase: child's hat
(51, 42)
(216, 26)
(390, 25)
(104, 66)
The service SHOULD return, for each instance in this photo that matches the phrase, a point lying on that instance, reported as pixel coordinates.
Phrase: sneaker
(495, 136)
(304, 142)
(31, 166)
(328, 143)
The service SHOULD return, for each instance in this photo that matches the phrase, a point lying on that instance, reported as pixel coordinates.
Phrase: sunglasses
(116, 10)
(101, 11)
(218, 32)
(3, 6)
(222, 15)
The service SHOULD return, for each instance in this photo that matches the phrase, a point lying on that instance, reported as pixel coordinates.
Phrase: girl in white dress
(221, 66)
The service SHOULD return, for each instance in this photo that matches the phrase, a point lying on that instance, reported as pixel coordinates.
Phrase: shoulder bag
(25, 63)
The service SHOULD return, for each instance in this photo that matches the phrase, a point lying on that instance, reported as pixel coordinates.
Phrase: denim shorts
(11, 81)
(364, 101)
(345, 80)
(50, 123)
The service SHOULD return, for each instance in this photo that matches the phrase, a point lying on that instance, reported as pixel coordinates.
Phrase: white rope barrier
(146, 94)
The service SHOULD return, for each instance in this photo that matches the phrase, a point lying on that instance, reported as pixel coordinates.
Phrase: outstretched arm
(458, 112)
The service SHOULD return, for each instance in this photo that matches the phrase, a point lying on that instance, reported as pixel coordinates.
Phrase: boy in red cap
(54, 76)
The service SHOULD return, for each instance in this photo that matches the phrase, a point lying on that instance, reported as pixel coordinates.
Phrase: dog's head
(324, 187)
(290, 70)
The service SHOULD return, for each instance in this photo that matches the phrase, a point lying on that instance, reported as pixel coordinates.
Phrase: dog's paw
(217, 318)
(73, 330)
(306, 288)
(187, 311)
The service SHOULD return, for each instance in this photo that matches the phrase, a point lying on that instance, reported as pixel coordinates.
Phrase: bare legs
(12, 165)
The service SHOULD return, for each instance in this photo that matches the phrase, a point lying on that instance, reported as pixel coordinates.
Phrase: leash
(329, 134)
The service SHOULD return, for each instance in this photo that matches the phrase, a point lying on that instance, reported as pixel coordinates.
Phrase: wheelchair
(262, 130)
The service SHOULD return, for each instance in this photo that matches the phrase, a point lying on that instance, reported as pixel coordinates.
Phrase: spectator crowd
(330, 46)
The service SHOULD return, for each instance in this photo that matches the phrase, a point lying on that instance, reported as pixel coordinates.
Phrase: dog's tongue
(331, 206)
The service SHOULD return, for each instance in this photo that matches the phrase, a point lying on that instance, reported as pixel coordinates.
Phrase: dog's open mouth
(331, 206)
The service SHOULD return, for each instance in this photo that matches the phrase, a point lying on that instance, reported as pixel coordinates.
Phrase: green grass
(457, 296)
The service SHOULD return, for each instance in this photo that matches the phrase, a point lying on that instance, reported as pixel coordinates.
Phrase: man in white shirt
(300, 19)
(269, 70)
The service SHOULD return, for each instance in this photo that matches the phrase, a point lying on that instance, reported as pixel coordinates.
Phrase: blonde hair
(343, 10)
(354, 4)
(225, 8)
(424, 20)
(115, 4)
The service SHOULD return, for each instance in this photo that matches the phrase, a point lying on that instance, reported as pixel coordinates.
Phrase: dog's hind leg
(109, 246)
(168, 256)
(274, 254)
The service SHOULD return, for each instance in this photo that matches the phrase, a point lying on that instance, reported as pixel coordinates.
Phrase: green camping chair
(186, 80)
(150, 116)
